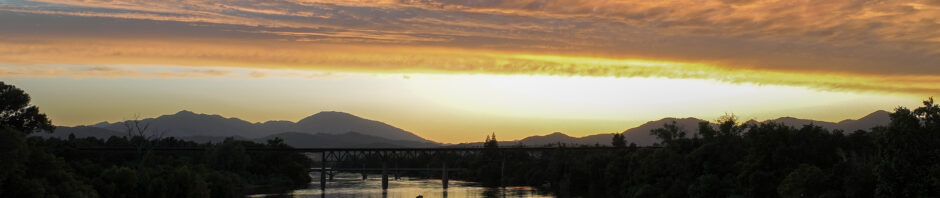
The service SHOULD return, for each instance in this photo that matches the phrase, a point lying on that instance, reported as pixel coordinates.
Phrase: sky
(455, 71)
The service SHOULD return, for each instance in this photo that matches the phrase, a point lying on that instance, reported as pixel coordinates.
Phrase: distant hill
(332, 122)
(344, 140)
(558, 137)
(338, 129)
(877, 118)
(212, 128)
(80, 132)
(641, 134)
(186, 123)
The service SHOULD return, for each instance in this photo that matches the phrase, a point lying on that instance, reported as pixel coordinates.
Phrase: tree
(491, 141)
(17, 114)
(670, 131)
(802, 182)
(229, 156)
(142, 137)
(930, 114)
(908, 153)
(728, 126)
(619, 140)
(14, 152)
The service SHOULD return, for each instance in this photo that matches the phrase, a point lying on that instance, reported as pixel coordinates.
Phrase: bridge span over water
(330, 158)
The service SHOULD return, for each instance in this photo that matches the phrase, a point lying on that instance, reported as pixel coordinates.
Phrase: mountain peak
(335, 122)
(185, 112)
(557, 134)
(876, 114)
(333, 115)
(556, 137)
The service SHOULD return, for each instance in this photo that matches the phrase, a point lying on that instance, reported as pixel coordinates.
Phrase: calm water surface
(352, 185)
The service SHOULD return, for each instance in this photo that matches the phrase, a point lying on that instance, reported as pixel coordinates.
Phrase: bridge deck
(379, 169)
(318, 150)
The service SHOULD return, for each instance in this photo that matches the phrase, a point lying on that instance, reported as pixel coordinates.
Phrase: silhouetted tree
(17, 114)
(229, 156)
(491, 141)
(142, 137)
(930, 114)
(51, 167)
(619, 140)
(909, 152)
(670, 131)
(728, 126)
(803, 182)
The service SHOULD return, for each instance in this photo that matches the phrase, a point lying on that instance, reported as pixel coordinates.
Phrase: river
(351, 185)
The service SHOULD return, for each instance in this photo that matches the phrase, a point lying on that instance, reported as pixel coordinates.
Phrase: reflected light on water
(349, 185)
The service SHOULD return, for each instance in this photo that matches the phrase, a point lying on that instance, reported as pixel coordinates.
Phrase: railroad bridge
(331, 157)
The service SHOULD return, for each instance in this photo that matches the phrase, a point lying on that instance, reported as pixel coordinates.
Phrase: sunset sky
(455, 70)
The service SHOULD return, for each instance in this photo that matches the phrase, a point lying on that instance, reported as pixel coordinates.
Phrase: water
(351, 185)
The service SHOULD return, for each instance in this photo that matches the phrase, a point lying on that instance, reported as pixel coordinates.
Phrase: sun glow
(448, 107)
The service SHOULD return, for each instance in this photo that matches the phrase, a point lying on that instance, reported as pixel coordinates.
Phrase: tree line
(739, 160)
(38, 167)
(732, 159)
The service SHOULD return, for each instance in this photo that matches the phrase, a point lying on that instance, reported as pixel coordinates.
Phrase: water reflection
(351, 185)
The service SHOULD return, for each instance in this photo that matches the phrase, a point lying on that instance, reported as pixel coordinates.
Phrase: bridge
(385, 155)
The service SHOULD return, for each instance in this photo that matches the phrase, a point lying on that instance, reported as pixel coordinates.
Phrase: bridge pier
(427, 172)
(502, 173)
(444, 175)
(397, 176)
(364, 175)
(323, 171)
(384, 176)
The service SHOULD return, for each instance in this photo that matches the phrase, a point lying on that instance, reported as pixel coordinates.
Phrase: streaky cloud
(832, 45)
(413, 60)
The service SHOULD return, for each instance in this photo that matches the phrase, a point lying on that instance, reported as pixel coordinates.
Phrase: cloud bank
(890, 46)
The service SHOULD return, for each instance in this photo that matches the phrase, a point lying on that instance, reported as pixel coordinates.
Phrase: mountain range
(641, 134)
(338, 129)
(324, 129)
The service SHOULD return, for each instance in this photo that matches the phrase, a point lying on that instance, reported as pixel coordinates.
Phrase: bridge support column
(384, 176)
(364, 175)
(444, 175)
(502, 173)
(323, 171)
(427, 172)
(397, 176)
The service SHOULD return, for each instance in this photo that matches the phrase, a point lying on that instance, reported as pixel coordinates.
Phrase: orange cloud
(841, 44)
(106, 72)
(895, 37)
(289, 55)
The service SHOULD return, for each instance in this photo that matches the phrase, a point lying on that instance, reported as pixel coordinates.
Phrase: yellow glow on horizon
(450, 108)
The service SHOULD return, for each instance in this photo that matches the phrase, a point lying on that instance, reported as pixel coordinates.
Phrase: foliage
(668, 133)
(732, 160)
(17, 114)
(225, 169)
(37, 167)
(491, 141)
(802, 182)
(740, 160)
(619, 140)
